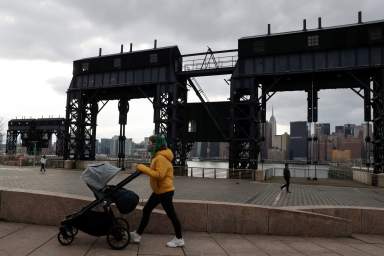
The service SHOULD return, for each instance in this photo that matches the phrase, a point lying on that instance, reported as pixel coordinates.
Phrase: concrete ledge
(362, 177)
(43, 208)
(367, 220)
(69, 164)
(380, 180)
(284, 222)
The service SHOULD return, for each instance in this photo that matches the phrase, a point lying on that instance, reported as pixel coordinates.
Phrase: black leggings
(166, 201)
(286, 184)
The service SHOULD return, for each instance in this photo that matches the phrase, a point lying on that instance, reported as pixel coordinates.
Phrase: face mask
(150, 147)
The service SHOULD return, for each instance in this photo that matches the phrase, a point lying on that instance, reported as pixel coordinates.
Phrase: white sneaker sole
(174, 246)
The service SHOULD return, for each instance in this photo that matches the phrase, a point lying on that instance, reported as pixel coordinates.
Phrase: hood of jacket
(167, 153)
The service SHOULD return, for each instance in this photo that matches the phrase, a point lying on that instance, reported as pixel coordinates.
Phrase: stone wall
(43, 208)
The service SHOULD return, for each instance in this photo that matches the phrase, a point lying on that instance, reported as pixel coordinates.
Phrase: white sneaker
(136, 238)
(176, 242)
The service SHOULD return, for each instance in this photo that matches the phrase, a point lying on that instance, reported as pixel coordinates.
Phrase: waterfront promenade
(341, 193)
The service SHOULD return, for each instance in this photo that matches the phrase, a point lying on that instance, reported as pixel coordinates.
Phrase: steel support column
(169, 119)
(60, 143)
(123, 111)
(11, 142)
(378, 124)
(88, 138)
(161, 103)
(71, 126)
(245, 128)
(80, 127)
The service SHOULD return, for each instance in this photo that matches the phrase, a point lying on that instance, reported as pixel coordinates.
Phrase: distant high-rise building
(210, 150)
(349, 130)
(358, 131)
(115, 146)
(97, 146)
(196, 149)
(323, 129)
(105, 146)
(224, 150)
(267, 144)
(354, 145)
(325, 147)
(272, 122)
(204, 151)
(214, 150)
(298, 141)
(128, 146)
(339, 130)
(279, 143)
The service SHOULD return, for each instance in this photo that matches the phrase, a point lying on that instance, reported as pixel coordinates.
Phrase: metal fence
(311, 172)
(298, 172)
(220, 173)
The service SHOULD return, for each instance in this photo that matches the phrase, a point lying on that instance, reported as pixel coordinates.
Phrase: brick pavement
(236, 191)
(17, 239)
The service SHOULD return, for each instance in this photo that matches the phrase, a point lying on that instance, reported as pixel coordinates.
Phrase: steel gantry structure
(348, 56)
(35, 134)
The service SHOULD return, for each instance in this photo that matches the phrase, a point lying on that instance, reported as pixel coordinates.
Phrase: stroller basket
(94, 223)
(125, 200)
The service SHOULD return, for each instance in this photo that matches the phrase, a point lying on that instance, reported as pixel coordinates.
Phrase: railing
(202, 63)
(215, 173)
(221, 173)
(311, 172)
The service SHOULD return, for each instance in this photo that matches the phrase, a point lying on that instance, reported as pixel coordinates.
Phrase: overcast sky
(41, 38)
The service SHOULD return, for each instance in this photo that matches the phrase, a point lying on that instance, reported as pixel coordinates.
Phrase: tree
(2, 127)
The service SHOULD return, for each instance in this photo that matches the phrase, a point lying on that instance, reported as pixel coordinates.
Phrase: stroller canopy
(98, 175)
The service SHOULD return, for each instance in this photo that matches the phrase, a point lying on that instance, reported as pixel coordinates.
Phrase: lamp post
(34, 153)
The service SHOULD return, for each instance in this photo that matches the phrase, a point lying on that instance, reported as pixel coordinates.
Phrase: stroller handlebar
(128, 179)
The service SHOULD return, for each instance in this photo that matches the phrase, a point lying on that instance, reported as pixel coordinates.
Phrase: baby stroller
(102, 223)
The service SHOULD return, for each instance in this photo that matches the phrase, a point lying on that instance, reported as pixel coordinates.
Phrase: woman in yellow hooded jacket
(161, 180)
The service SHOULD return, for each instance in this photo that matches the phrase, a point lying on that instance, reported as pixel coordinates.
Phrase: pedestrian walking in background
(43, 161)
(287, 177)
(161, 180)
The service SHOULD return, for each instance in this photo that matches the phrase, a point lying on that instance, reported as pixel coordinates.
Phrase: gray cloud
(61, 31)
(59, 84)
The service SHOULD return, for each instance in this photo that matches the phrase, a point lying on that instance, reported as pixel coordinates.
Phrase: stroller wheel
(65, 238)
(118, 237)
(123, 223)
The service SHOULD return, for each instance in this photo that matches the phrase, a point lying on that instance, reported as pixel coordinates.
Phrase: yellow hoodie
(160, 171)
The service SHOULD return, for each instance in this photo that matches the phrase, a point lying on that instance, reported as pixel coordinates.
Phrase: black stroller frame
(116, 229)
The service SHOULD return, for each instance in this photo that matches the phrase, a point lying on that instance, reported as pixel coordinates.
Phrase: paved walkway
(21, 240)
(235, 191)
